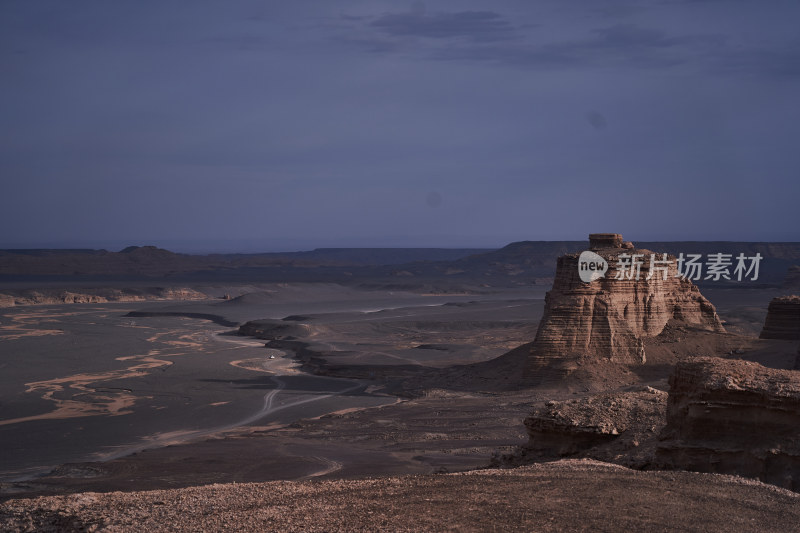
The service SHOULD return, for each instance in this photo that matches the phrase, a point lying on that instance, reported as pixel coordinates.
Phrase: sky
(274, 125)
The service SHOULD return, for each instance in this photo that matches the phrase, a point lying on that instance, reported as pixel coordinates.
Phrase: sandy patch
(93, 403)
(27, 325)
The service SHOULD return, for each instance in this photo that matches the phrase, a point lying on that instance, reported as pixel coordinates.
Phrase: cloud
(507, 39)
(615, 46)
(479, 26)
(490, 37)
(629, 37)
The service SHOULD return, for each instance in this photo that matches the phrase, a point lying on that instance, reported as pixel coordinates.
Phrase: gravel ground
(569, 495)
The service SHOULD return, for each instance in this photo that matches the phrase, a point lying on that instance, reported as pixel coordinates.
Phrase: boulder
(604, 426)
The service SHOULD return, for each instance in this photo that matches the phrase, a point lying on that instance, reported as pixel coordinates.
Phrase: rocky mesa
(608, 318)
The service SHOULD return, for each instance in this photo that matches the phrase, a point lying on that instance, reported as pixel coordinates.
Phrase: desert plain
(401, 401)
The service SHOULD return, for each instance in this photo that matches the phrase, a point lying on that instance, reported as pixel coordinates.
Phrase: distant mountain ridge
(154, 262)
(518, 263)
(524, 262)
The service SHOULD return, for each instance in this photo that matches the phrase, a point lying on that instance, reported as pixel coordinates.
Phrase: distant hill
(524, 262)
(148, 262)
(519, 263)
(135, 261)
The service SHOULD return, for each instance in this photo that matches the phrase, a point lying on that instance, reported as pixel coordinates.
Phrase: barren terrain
(341, 389)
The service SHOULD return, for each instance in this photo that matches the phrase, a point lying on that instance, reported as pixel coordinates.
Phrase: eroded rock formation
(608, 318)
(733, 417)
(598, 241)
(606, 427)
(12, 298)
(783, 319)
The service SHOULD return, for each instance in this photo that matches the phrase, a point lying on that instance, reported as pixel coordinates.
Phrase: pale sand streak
(116, 404)
(96, 404)
(26, 325)
(111, 403)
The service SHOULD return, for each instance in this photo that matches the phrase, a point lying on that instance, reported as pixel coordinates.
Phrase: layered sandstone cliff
(733, 417)
(608, 318)
(783, 319)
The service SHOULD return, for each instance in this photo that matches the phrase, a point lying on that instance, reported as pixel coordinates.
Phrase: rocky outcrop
(609, 318)
(620, 427)
(14, 298)
(783, 319)
(175, 293)
(77, 298)
(733, 417)
(599, 241)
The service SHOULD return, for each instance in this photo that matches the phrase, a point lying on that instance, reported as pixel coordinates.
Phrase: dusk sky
(266, 126)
